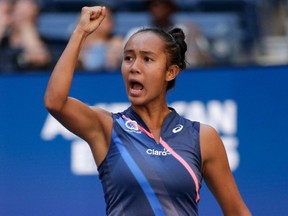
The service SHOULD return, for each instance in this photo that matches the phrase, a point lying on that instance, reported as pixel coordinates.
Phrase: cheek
(157, 80)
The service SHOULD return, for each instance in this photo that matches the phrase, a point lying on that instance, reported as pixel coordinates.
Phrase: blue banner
(45, 170)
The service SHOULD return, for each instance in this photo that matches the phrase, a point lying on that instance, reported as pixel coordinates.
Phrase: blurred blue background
(45, 170)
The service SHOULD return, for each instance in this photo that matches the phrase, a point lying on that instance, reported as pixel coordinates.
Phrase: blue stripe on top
(139, 176)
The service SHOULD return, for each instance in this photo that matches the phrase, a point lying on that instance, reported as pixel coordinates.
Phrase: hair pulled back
(180, 49)
(175, 47)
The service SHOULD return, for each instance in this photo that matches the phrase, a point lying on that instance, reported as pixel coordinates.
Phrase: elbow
(52, 104)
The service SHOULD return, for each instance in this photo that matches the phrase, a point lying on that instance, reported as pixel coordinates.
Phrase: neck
(153, 118)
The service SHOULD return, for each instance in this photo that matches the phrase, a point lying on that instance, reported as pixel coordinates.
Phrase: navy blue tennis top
(142, 177)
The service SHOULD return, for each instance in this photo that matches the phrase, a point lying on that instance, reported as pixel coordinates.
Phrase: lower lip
(135, 93)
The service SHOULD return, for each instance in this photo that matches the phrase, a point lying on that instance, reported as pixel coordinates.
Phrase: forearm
(61, 79)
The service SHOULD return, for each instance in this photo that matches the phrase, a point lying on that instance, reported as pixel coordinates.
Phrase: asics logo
(178, 128)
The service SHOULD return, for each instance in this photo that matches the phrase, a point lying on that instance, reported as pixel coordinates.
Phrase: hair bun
(179, 37)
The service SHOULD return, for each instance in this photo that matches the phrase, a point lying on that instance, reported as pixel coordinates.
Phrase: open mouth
(135, 88)
(136, 85)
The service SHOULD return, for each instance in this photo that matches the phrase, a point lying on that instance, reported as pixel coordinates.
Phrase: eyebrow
(144, 52)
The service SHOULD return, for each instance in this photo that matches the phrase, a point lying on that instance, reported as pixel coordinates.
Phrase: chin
(136, 101)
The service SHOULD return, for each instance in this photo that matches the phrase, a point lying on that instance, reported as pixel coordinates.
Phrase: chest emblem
(132, 125)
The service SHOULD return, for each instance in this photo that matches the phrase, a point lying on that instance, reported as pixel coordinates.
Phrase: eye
(128, 58)
(147, 59)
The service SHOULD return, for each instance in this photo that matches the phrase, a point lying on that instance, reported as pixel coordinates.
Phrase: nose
(135, 66)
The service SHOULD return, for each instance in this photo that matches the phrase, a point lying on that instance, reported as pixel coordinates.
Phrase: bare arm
(93, 125)
(217, 174)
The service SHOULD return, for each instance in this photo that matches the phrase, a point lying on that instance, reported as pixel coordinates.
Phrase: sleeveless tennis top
(142, 177)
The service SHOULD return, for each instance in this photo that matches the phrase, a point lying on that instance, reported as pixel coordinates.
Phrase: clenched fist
(91, 18)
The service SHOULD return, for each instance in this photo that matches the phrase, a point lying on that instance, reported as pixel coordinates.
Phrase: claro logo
(222, 115)
(155, 152)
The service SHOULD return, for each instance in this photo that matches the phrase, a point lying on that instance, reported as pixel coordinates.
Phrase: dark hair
(175, 46)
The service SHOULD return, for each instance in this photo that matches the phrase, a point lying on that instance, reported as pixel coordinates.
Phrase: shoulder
(207, 132)
(210, 142)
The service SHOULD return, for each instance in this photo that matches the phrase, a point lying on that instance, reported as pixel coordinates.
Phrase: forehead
(149, 41)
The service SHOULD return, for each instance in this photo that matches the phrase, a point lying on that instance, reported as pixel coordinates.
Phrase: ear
(172, 72)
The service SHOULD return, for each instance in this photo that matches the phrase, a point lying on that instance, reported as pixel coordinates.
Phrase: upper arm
(94, 125)
(217, 173)
(83, 120)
